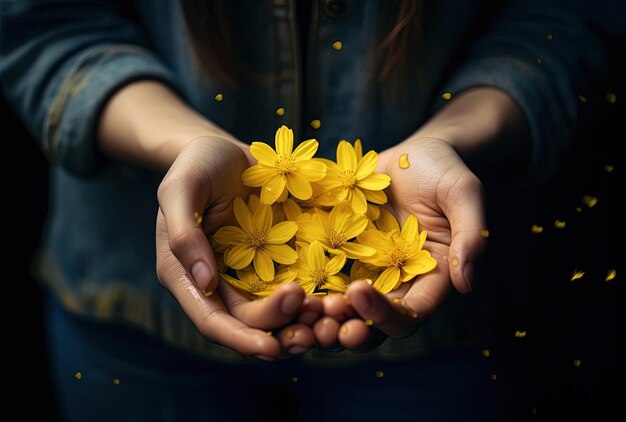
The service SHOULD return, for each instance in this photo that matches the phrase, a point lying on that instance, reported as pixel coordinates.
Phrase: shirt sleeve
(547, 59)
(60, 61)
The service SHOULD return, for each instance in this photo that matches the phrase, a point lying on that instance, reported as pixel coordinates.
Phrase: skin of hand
(447, 198)
(147, 123)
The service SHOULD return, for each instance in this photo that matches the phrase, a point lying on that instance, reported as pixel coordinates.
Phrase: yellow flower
(363, 271)
(284, 168)
(401, 254)
(353, 179)
(315, 271)
(250, 282)
(334, 231)
(257, 241)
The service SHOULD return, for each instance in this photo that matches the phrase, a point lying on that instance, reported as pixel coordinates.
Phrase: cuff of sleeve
(71, 125)
(531, 91)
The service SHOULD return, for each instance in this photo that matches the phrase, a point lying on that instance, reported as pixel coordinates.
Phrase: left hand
(446, 197)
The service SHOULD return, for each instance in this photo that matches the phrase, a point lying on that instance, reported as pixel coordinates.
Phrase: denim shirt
(61, 60)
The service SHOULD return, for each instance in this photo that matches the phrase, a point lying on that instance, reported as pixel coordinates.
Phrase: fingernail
(468, 274)
(201, 273)
(362, 301)
(263, 357)
(290, 304)
(296, 350)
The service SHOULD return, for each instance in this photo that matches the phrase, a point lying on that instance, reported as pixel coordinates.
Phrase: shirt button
(334, 8)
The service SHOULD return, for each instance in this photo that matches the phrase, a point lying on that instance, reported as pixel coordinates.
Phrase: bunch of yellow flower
(316, 221)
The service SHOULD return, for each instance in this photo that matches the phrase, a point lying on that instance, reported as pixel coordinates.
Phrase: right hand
(204, 179)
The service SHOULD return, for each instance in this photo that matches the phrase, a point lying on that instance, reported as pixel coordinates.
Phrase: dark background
(566, 322)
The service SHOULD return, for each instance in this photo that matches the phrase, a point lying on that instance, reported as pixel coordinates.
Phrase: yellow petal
(312, 170)
(283, 254)
(356, 250)
(307, 285)
(387, 222)
(387, 280)
(306, 150)
(292, 210)
(284, 276)
(372, 238)
(366, 165)
(283, 196)
(263, 265)
(335, 283)
(311, 230)
(354, 226)
(375, 196)
(282, 232)
(236, 283)
(315, 256)
(420, 264)
(239, 256)
(409, 229)
(243, 215)
(334, 265)
(298, 186)
(272, 189)
(358, 149)
(375, 181)
(253, 203)
(229, 235)
(262, 218)
(346, 157)
(263, 153)
(358, 201)
(256, 175)
(339, 215)
(422, 239)
(284, 141)
(373, 212)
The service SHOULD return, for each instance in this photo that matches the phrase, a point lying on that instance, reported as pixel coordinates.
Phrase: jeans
(126, 375)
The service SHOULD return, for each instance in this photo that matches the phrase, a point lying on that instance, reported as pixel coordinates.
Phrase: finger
(296, 338)
(326, 331)
(209, 313)
(463, 206)
(312, 309)
(182, 201)
(353, 333)
(335, 306)
(277, 310)
(398, 317)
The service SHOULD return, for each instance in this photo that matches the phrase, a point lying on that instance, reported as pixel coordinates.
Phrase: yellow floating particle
(337, 45)
(280, 111)
(536, 229)
(403, 161)
(369, 281)
(197, 217)
(207, 293)
(455, 262)
(379, 374)
(486, 353)
(484, 233)
(116, 381)
(447, 96)
(590, 201)
(559, 224)
(608, 168)
(316, 124)
(344, 330)
(611, 275)
(520, 334)
(576, 362)
(78, 375)
(577, 275)
(582, 98)
(294, 379)
(493, 377)
(291, 333)
(578, 209)
(268, 333)
(538, 60)
(369, 322)
(549, 37)
(219, 97)
(611, 98)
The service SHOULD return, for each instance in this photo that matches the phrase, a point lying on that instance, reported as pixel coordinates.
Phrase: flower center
(397, 258)
(256, 239)
(337, 238)
(318, 276)
(284, 164)
(348, 180)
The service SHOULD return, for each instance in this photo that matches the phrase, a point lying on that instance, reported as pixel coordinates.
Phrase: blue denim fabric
(61, 60)
(158, 383)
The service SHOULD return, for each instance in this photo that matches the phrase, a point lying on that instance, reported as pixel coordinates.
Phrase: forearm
(487, 129)
(148, 124)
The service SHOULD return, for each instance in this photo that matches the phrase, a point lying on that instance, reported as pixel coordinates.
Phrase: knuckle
(180, 241)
